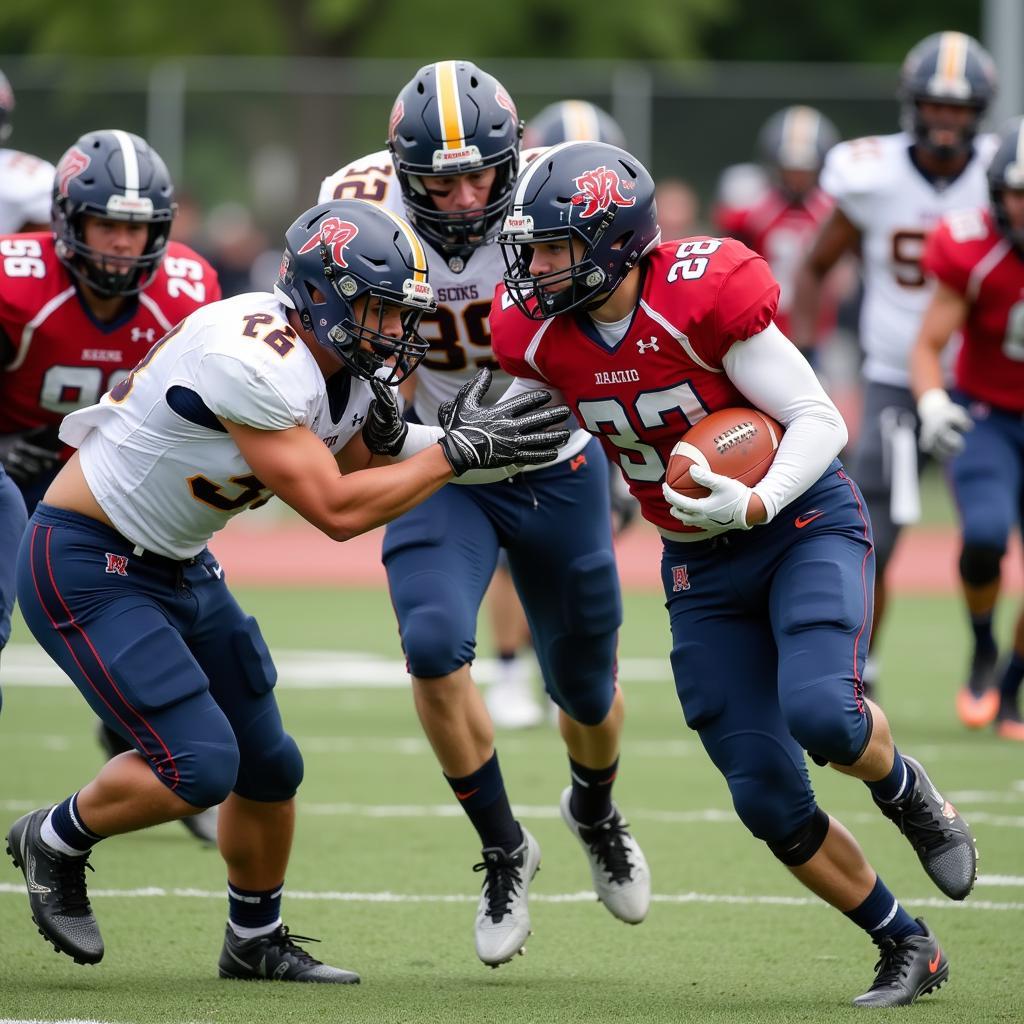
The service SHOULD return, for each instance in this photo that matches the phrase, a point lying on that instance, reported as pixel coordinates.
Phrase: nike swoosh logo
(466, 796)
(807, 518)
(238, 960)
(933, 965)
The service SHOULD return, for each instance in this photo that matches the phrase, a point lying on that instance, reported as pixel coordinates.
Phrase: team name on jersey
(616, 376)
(101, 355)
(460, 293)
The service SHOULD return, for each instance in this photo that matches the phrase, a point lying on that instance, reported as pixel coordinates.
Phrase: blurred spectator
(234, 244)
(678, 209)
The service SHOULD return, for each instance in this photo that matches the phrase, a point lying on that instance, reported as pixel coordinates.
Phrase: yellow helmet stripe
(453, 134)
(419, 256)
(952, 60)
(579, 121)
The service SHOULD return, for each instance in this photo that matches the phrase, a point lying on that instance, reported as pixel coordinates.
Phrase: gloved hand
(385, 429)
(943, 424)
(725, 508)
(511, 432)
(28, 455)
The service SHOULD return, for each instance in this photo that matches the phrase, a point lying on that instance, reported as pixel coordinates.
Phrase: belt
(152, 558)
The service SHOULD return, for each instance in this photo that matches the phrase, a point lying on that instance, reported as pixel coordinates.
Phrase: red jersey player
(783, 220)
(80, 306)
(768, 588)
(977, 258)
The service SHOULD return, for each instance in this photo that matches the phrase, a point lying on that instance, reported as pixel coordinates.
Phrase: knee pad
(208, 773)
(979, 564)
(433, 642)
(273, 774)
(804, 842)
(832, 730)
(592, 601)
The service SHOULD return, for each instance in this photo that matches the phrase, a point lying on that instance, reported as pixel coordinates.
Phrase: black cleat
(912, 967)
(940, 837)
(276, 957)
(57, 895)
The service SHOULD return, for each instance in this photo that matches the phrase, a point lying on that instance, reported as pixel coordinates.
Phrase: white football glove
(943, 424)
(725, 508)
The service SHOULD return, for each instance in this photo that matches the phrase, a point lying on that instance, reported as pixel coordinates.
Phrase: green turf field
(381, 869)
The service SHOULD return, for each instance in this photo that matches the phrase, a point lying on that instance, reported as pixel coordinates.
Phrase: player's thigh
(986, 478)
(12, 528)
(440, 558)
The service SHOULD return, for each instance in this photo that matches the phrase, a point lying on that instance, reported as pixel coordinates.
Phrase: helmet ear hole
(622, 241)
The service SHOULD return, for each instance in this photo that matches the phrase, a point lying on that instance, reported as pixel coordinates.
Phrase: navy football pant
(770, 628)
(163, 654)
(12, 526)
(555, 525)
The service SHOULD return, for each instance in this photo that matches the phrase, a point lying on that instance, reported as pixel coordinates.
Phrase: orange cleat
(1010, 729)
(977, 710)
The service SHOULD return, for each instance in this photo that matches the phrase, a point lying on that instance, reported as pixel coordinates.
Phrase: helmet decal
(335, 233)
(71, 166)
(597, 189)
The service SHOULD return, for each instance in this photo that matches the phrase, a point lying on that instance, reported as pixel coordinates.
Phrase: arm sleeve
(236, 390)
(775, 377)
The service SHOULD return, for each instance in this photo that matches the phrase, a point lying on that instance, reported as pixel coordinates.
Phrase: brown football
(738, 443)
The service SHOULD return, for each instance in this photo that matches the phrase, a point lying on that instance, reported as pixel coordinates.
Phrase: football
(738, 443)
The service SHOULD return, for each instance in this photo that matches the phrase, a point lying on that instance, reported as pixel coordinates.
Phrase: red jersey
(697, 298)
(782, 232)
(969, 254)
(63, 359)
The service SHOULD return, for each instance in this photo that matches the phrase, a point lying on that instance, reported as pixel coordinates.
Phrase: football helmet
(453, 118)
(600, 200)
(1007, 172)
(796, 138)
(950, 68)
(337, 252)
(117, 176)
(6, 107)
(572, 121)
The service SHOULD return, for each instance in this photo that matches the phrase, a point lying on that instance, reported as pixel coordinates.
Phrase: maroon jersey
(782, 232)
(697, 298)
(62, 358)
(969, 255)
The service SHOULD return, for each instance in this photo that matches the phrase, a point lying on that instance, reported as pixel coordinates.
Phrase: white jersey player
(890, 191)
(26, 182)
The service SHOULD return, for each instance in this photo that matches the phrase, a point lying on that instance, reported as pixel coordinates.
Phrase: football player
(890, 191)
(571, 121)
(79, 306)
(26, 182)
(784, 220)
(453, 153)
(768, 588)
(256, 395)
(977, 258)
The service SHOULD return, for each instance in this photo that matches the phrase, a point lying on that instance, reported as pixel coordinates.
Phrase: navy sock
(591, 800)
(254, 911)
(984, 641)
(483, 798)
(1009, 685)
(882, 916)
(69, 828)
(897, 784)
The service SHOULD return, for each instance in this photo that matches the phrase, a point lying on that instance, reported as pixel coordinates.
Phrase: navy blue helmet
(1007, 172)
(796, 138)
(117, 176)
(340, 252)
(453, 118)
(572, 121)
(600, 200)
(946, 67)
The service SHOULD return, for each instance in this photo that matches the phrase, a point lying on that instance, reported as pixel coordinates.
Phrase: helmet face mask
(112, 175)
(454, 119)
(597, 200)
(944, 71)
(347, 267)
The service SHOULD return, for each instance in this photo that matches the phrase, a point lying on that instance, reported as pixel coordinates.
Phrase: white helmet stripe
(535, 166)
(131, 163)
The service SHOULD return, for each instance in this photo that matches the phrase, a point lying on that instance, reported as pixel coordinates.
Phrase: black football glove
(31, 454)
(511, 432)
(385, 430)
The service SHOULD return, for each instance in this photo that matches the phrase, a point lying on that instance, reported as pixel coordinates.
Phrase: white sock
(54, 842)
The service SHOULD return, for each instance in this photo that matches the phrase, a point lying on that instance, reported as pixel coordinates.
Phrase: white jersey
(459, 334)
(894, 206)
(158, 461)
(26, 190)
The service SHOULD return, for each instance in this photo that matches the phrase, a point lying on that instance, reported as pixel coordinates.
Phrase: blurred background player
(454, 152)
(977, 258)
(783, 221)
(571, 121)
(890, 191)
(26, 182)
(82, 303)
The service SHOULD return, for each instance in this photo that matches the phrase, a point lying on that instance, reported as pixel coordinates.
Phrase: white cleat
(510, 699)
(503, 917)
(622, 879)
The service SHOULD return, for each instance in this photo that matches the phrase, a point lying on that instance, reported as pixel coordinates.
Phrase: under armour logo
(147, 335)
(357, 419)
(117, 565)
(680, 579)
(643, 346)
